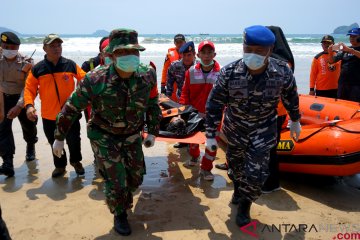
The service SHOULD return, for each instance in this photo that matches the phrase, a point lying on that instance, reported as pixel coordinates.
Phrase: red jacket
(197, 87)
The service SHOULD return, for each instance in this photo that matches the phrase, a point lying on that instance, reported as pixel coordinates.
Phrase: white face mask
(254, 61)
(207, 65)
(9, 53)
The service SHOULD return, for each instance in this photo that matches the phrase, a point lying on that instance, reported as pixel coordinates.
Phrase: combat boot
(121, 224)
(30, 152)
(235, 199)
(79, 169)
(7, 171)
(243, 214)
(7, 168)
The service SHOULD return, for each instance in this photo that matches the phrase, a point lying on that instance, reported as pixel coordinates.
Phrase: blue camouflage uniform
(250, 118)
(176, 71)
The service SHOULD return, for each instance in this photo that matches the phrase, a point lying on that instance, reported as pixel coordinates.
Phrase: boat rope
(312, 134)
(330, 125)
(355, 114)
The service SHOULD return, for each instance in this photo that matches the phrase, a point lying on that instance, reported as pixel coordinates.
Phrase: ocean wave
(32, 40)
(197, 38)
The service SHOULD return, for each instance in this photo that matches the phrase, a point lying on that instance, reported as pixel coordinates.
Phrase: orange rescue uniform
(171, 56)
(324, 76)
(42, 79)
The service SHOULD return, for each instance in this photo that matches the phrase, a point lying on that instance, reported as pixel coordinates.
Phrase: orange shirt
(41, 79)
(324, 76)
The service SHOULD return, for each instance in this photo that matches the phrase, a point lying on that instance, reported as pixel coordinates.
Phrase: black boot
(243, 214)
(7, 168)
(222, 166)
(30, 152)
(122, 225)
(7, 171)
(236, 195)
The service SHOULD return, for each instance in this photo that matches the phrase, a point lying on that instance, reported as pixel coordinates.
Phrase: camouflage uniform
(176, 74)
(250, 118)
(118, 109)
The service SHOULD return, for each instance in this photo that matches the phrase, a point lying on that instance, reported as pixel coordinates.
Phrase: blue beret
(10, 38)
(354, 32)
(187, 47)
(258, 35)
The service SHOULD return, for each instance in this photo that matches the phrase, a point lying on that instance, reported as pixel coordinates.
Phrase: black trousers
(7, 143)
(273, 179)
(72, 139)
(4, 233)
(332, 93)
(349, 92)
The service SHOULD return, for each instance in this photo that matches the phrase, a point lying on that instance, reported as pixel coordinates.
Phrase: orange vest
(171, 56)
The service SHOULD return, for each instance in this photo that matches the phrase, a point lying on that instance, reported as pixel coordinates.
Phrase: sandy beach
(172, 203)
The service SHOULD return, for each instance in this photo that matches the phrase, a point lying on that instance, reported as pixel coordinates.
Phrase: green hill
(345, 29)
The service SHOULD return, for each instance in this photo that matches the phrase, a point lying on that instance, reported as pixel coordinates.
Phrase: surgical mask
(108, 61)
(9, 53)
(128, 63)
(254, 61)
(206, 65)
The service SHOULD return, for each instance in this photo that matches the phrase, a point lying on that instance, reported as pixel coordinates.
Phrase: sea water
(228, 48)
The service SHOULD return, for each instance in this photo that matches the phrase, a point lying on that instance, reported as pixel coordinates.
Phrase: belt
(97, 122)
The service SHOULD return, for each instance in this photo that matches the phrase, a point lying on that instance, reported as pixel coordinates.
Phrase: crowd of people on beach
(247, 99)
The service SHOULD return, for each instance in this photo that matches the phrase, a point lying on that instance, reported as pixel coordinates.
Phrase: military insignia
(3, 38)
(66, 77)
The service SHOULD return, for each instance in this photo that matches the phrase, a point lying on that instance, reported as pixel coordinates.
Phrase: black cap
(179, 37)
(328, 38)
(10, 38)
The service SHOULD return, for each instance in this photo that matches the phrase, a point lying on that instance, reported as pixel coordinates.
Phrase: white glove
(149, 141)
(58, 147)
(295, 129)
(211, 144)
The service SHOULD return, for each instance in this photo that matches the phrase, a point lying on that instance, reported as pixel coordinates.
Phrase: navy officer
(251, 88)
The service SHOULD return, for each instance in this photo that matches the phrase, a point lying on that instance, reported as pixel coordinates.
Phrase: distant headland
(345, 29)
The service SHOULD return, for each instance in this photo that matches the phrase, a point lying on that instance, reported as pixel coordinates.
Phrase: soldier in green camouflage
(123, 98)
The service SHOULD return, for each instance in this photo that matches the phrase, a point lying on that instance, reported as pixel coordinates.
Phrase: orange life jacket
(171, 56)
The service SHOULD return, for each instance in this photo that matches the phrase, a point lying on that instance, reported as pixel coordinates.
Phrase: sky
(179, 16)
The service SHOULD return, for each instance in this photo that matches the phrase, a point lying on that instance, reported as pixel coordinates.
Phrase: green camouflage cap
(51, 37)
(123, 39)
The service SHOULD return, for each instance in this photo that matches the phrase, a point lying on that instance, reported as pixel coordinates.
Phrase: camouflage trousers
(121, 162)
(249, 168)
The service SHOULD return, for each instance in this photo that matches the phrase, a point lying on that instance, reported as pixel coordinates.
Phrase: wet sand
(172, 203)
